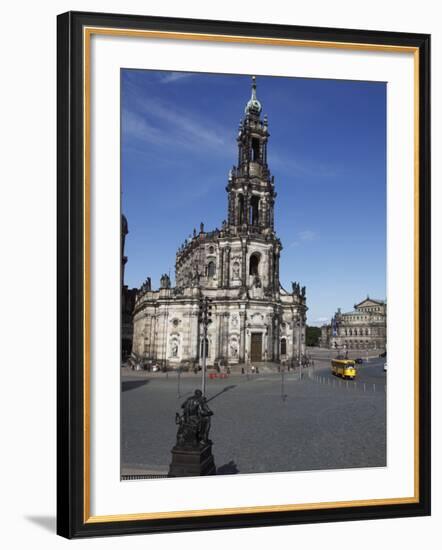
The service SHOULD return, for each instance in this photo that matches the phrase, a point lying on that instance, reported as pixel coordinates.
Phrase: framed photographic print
(243, 274)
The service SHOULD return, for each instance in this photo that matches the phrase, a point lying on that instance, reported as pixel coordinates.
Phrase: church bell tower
(251, 193)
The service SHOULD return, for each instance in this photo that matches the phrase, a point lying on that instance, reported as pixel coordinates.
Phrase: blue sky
(327, 151)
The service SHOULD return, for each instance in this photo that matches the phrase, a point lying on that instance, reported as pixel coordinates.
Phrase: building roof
(368, 299)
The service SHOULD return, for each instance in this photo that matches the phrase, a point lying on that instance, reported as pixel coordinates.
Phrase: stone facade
(128, 296)
(237, 267)
(364, 328)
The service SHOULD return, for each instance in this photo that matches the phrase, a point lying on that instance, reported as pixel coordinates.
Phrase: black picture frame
(72, 520)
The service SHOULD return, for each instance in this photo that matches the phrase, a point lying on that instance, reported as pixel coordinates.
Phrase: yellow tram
(345, 368)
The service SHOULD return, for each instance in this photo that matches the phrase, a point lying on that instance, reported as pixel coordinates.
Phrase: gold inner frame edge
(87, 34)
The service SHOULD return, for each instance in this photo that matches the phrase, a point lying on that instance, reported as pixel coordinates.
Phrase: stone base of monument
(192, 461)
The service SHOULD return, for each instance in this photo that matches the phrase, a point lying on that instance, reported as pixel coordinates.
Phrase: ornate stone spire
(253, 106)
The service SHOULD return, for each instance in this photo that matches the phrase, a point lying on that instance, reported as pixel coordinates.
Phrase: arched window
(254, 210)
(254, 264)
(241, 209)
(211, 269)
(283, 346)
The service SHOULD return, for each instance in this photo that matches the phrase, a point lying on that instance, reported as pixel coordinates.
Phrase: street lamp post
(203, 382)
(299, 346)
(205, 319)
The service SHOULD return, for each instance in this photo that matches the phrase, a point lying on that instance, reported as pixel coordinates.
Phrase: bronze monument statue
(194, 423)
(192, 453)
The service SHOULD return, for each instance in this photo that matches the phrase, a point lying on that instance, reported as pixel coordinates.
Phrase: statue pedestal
(192, 461)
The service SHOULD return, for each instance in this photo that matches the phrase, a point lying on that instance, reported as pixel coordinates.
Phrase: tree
(312, 335)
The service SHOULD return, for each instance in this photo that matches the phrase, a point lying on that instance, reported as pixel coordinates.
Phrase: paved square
(262, 423)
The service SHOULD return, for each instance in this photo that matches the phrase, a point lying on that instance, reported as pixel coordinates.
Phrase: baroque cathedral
(237, 267)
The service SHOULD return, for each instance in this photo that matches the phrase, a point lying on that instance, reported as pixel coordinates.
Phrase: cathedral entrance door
(256, 346)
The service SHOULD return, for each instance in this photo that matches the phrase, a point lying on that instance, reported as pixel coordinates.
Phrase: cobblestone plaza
(266, 422)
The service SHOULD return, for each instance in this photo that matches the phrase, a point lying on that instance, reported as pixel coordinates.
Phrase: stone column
(160, 329)
(186, 336)
(154, 337)
(247, 207)
(194, 336)
(294, 337)
(244, 262)
(302, 334)
(242, 348)
(276, 338)
(225, 274)
(227, 263)
(165, 331)
(271, 278)
(147, 340)
(265, 347)
(271, 220)
(276, 280)
(262, 211)
(219, 335)
(221, 268)
(270, 341)
(226, 316)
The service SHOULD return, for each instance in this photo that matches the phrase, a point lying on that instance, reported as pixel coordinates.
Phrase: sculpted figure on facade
(147, 285)
(234, 350)
(174, 348)
(165, 281)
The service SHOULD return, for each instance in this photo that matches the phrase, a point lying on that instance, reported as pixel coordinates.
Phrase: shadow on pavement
(229, 468)
(133, 384)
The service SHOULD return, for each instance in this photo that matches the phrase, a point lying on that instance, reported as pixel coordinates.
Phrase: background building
(237, 267)
(363, 328)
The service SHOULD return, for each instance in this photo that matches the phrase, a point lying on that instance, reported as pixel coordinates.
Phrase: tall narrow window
(211, 270)
(255, 149)
(254, 264)
(241, 209)
(254, 210)
(283, 346)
